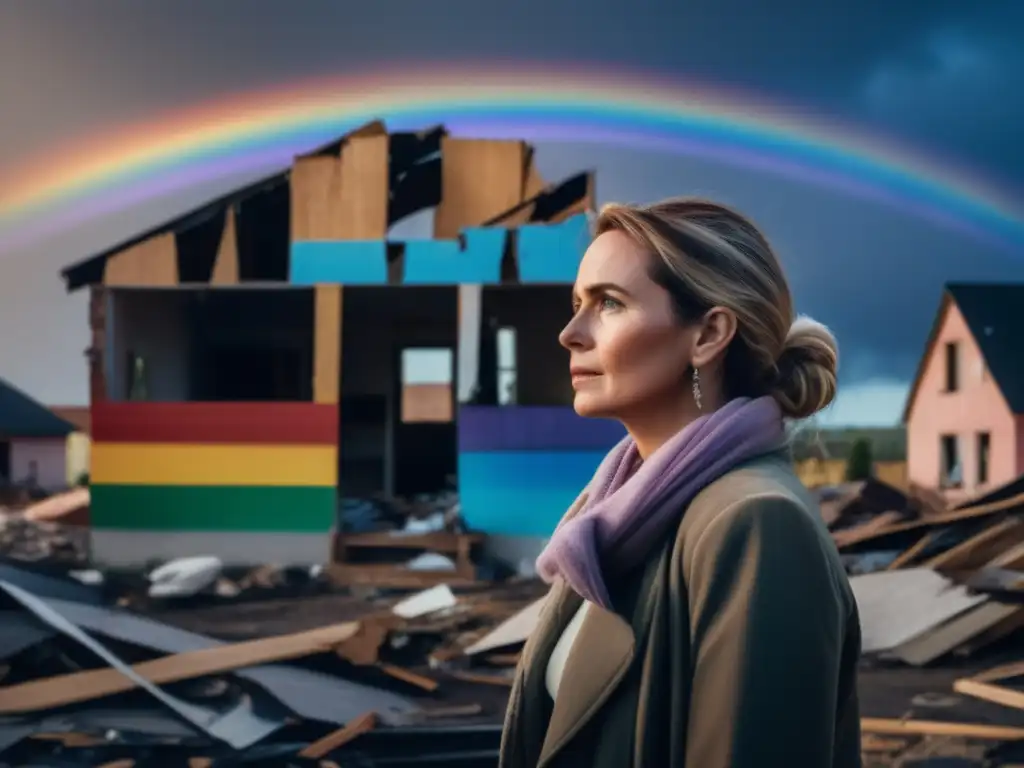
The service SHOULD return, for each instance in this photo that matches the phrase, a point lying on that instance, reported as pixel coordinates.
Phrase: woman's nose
(572, 336)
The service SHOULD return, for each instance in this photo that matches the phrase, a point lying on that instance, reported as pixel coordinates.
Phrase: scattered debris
(938, 588)
(184, 577)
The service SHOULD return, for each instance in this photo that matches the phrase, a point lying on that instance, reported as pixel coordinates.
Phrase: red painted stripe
(282, 423)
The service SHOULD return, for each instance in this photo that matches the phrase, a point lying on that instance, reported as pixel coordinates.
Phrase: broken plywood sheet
(363, 194)
(327, 344)
(897, 606)
(225, 268)
(515, 629)
(153, 262)
(315, 196)
(940, 640)
(480, 179)
(427, 601)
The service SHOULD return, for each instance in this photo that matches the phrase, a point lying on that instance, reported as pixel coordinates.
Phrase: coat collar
(603, 652)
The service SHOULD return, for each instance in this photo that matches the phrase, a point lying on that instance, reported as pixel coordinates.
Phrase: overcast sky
(943, 77)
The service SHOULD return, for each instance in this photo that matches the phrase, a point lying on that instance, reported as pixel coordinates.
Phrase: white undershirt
(556, 664)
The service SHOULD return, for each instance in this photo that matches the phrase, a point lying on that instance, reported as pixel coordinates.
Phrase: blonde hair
(708, 255)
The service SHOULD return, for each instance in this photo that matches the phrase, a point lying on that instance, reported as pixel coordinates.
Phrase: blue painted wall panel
(551, 253)
(522, 493)
(442, 262)
(353, 262)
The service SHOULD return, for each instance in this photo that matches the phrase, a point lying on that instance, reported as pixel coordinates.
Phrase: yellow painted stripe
(178, 464)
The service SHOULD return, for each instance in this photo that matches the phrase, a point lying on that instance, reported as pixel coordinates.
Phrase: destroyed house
(260, 362)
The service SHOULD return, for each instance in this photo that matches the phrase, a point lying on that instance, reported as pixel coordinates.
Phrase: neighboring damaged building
(965, 412)
(33, 442)
(257, 358)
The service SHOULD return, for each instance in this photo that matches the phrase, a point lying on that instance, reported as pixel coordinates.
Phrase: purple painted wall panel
(533, 428)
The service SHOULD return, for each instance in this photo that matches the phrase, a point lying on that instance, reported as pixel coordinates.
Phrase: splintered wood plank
(340, 737)
(60, 690)
(890, 727)
(910, 553)
(151, 263)
(997, 694)
(225, 268)
(480, 179)
(315, 197)
(363, 194)
(327, 344)
(1002, 672)
(979, 548)
(533, 183)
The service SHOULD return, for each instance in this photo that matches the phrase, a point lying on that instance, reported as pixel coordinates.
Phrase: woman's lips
(581, 376)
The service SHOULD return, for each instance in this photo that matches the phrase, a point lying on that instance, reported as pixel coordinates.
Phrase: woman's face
(628, 352)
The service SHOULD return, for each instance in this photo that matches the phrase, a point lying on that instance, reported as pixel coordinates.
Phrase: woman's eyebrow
(604, 288)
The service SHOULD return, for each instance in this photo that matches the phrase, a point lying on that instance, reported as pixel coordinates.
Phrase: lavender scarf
(630, 505)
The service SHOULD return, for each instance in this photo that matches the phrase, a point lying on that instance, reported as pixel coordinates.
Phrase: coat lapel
(601, 655)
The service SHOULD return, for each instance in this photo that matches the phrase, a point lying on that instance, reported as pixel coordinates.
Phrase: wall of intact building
(250, 482)
(977, 406)
(46, 456)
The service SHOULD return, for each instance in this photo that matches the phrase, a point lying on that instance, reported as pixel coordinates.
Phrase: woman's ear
(716, 331)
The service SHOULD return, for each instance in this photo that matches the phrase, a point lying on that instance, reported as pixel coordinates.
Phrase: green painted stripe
(267, 509)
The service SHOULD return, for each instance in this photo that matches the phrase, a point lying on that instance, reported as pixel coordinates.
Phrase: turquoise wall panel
(522, 493)
(443, 262)
(551, 253)
(351, 262)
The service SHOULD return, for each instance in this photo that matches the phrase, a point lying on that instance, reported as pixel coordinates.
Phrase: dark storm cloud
(864, 61)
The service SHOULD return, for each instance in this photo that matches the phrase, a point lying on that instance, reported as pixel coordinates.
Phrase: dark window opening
(951, 474)
(212, 344)
(984, 448)
(252, 345)
(522, 324)
(5, 462)
(952, 366)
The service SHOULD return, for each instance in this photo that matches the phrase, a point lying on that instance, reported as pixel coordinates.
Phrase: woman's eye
(609, 303)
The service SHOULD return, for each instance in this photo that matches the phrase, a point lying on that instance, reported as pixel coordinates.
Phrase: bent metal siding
(171, 479)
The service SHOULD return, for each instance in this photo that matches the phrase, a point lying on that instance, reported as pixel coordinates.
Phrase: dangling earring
(696, 388)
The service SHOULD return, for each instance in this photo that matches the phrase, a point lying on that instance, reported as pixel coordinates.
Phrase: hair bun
(806, 381)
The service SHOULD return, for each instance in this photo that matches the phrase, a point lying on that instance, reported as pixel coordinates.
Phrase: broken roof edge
(76, 275)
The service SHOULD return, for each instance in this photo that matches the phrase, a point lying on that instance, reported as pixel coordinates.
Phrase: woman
(699, 615)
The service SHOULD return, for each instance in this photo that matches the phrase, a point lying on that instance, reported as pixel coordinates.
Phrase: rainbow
(252, 132)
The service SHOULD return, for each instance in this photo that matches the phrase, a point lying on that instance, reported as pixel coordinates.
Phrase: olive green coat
(734, 646)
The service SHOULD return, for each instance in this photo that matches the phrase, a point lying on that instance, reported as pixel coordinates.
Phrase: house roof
(21, 416)
(994, 314)
(77, 415)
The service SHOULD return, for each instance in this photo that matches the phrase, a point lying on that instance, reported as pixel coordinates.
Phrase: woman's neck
(651, 432)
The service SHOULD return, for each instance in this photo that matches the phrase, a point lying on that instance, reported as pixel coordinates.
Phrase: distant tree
(860, 463)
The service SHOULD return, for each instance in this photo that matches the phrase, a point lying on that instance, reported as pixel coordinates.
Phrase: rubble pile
(940, 590)
(370, 679)
(53, 529)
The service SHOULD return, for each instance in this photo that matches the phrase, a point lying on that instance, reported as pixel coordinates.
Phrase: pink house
(965, 412)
